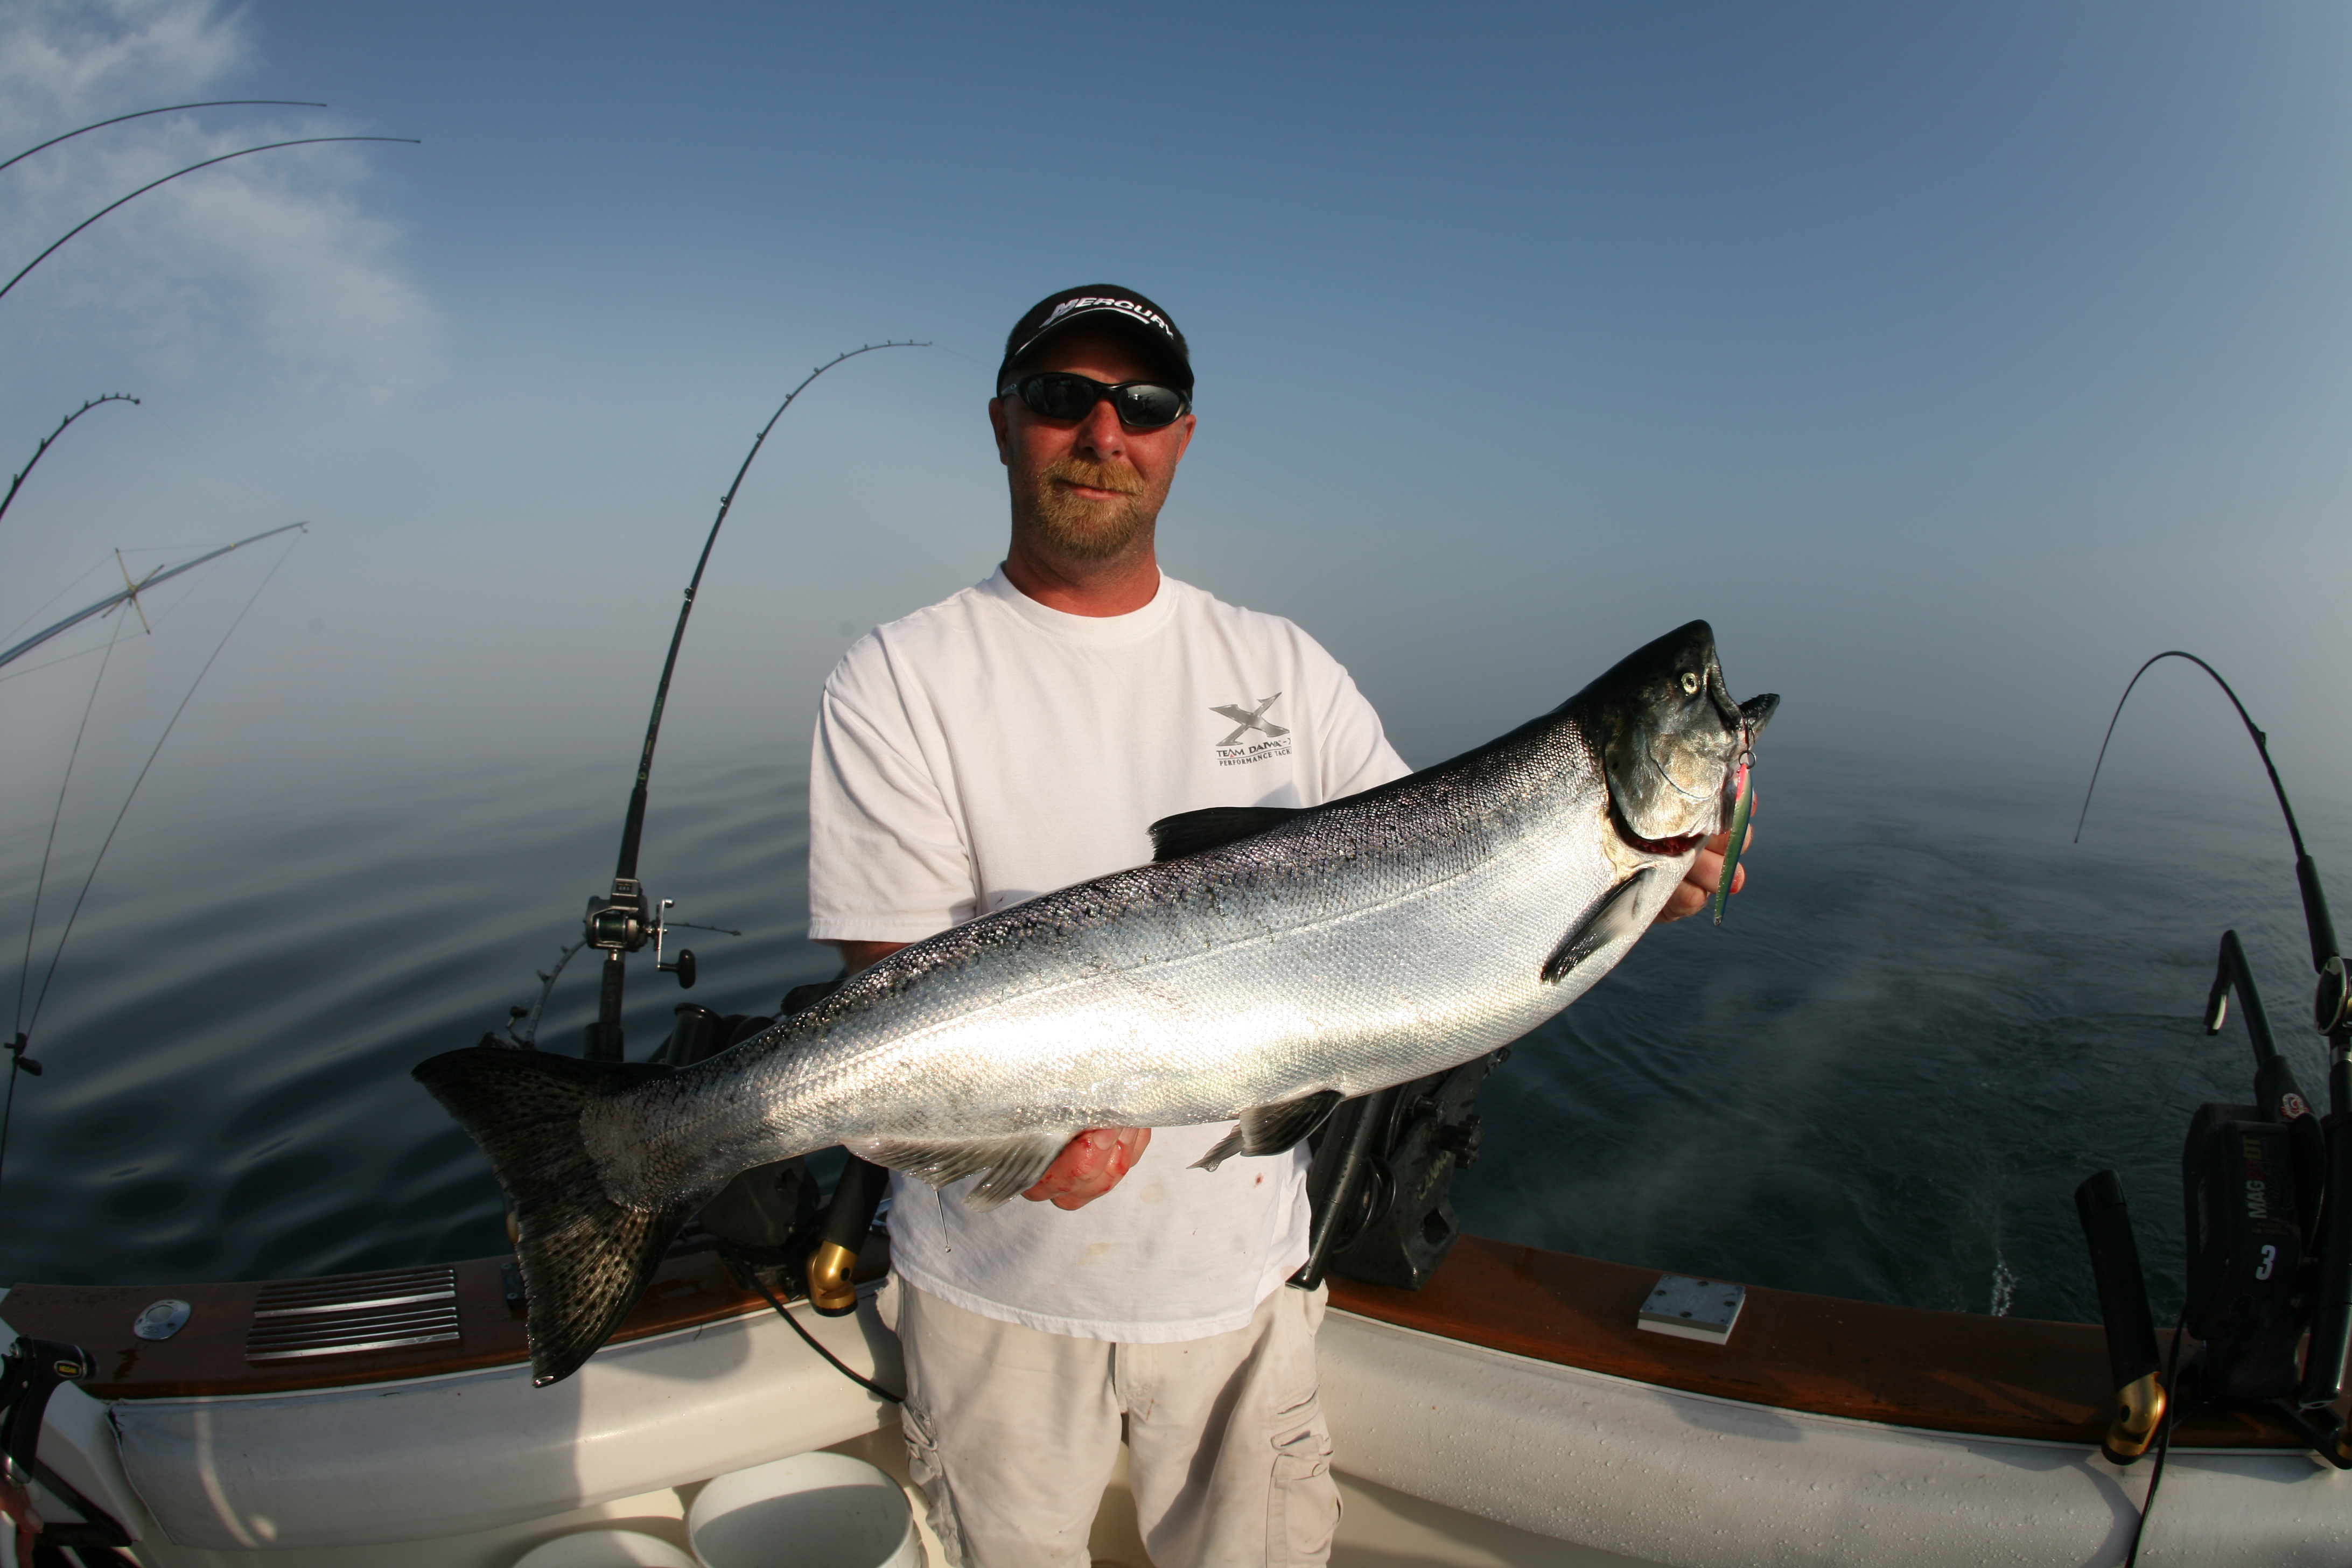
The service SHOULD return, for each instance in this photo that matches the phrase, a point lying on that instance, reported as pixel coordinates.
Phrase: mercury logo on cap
(1108, 304)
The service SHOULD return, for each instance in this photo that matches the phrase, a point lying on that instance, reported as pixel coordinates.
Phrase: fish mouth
(1668, 848)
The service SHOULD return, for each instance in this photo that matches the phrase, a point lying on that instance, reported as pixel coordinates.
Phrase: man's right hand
(1090, 1165)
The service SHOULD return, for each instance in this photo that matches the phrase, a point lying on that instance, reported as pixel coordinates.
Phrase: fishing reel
(2268, 1193)
(619, 923)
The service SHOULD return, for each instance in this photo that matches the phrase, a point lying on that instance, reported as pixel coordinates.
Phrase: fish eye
(1690, 684)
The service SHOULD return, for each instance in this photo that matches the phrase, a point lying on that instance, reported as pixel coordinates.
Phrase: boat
(1513, 1410)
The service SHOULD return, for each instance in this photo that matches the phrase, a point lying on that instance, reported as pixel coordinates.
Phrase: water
(1929, 1018)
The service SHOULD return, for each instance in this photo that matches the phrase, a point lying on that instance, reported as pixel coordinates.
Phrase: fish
(1267, 963)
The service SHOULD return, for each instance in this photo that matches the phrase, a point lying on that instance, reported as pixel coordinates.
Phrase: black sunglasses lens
(1147, 408)
(1055, 395)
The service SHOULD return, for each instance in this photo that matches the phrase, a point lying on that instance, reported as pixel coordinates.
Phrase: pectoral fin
(1190, 832)
(1271, 1129)
(1006, 1166)
(1608, 920)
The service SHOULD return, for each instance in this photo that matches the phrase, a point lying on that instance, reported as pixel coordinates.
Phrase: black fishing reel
(619, 923)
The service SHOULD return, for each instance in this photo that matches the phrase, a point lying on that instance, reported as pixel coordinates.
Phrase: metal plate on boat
(1692, 1309)
(355, 1313)
(160, 1320)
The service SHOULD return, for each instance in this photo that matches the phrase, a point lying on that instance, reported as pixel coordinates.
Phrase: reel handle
(2133, 1362)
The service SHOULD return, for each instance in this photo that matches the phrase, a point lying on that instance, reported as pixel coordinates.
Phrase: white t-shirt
(989, 749)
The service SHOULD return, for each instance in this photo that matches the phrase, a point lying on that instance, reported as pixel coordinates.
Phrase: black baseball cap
(1103, 305)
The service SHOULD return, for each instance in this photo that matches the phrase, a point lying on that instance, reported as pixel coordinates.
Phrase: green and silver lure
(1736, 838)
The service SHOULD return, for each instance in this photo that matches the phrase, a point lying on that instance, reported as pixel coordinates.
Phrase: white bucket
(605, 1549)
(812, 1511)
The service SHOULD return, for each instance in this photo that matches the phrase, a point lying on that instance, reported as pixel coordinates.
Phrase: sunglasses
(1058, 395)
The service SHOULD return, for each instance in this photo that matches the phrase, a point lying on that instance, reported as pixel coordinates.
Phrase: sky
(1951, 359)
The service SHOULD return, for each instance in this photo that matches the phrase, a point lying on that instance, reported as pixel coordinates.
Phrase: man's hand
(1698, 883)
(1090, 1165)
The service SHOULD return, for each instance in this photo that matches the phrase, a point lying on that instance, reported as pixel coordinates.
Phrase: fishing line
(33, 921)
(18, 1064)
(50, 975)
(52, 599)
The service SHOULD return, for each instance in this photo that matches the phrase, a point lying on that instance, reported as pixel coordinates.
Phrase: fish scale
(1266, 958)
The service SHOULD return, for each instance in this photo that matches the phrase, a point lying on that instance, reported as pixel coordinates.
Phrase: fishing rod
(2332, 1008)
(133, 590)
(167, 109)
(266, 147)
(621, 922)
(18, 482)
(2269, 1203)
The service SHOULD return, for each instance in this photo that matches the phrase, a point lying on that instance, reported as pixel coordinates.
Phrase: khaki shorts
(1012, 1434)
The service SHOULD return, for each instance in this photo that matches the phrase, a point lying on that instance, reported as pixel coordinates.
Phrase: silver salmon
(1267, 963)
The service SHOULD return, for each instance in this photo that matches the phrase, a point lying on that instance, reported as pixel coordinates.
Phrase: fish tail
(585, 1258)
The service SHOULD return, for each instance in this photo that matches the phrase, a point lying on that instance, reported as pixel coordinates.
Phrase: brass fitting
(2139, 1411)
(830, 1290)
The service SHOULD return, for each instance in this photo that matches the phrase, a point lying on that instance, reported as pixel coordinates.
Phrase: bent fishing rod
(265, 147)
(38, 452)
(2332, 1007)
(167, 109)
(620, 923)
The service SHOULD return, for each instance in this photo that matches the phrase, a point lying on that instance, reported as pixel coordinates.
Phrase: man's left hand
(1698, 882)
(1090, 1165)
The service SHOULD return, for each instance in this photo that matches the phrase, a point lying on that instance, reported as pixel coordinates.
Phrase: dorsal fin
(1190, 832)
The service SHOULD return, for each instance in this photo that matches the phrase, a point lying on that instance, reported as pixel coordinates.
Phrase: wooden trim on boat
(1945, 1372)
(209, 1355)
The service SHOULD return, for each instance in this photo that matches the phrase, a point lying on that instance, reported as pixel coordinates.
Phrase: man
(1016, 738)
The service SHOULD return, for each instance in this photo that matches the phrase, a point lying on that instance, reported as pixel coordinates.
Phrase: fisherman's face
(1088, 488)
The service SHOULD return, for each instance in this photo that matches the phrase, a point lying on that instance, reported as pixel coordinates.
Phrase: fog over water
(1951, 361)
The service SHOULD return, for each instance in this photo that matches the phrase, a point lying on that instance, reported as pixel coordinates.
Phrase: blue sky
(1951, 359)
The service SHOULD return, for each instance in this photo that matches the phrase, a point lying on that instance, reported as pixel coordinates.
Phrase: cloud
(270, 265)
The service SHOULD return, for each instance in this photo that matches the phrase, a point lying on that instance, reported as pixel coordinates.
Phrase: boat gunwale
(1912, 1368)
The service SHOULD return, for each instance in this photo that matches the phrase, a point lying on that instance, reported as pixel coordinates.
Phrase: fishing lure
(1745, 791)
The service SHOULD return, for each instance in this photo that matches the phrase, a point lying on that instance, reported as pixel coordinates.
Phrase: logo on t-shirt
(1273, 741)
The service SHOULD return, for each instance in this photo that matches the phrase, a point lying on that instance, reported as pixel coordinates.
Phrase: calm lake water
(1927, 1020)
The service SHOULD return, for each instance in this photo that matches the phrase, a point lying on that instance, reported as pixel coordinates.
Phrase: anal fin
(1271, 1129)
(1611, 917)
(1006, 1166)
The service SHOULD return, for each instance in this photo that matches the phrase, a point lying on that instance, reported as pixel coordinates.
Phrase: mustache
(1096, 476)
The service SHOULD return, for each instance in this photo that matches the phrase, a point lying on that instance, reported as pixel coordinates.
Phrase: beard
(1088, 530)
